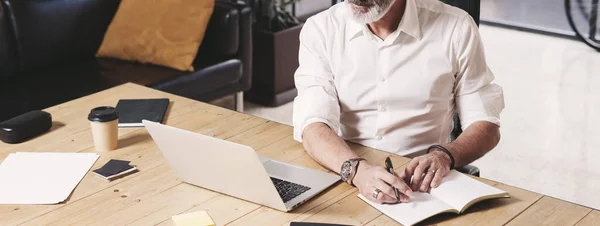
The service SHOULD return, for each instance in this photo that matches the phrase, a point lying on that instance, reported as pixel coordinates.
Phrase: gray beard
(374, 13)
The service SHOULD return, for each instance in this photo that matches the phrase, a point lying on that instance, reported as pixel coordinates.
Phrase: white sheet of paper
(42, 178)
(421, 206)
(458, 190)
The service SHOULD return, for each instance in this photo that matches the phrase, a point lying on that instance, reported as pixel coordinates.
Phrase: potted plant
(275, 52)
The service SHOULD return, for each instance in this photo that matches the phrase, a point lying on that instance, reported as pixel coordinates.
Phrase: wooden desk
(154, 194)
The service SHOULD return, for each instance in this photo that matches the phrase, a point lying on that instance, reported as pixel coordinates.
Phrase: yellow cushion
(161, 32)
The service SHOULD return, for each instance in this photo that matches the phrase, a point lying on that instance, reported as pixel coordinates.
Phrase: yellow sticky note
(193, 219)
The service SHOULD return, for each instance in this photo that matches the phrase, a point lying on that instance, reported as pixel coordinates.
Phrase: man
(390, 74)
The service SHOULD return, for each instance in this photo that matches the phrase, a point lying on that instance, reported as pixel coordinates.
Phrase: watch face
(346, 170)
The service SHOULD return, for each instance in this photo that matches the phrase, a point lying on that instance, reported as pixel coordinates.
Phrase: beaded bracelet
(441, 148)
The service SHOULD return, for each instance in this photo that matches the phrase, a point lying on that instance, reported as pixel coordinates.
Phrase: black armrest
(245, 39)
(221, 40)
(469, 169)
(228, 36)
(246, 43)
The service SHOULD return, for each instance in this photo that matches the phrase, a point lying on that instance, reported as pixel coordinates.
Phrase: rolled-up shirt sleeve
(477, 97)
(317, 99)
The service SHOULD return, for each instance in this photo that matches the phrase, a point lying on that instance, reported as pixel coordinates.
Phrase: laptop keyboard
(288, 190)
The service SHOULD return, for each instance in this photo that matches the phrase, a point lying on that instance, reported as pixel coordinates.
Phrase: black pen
(390, 168)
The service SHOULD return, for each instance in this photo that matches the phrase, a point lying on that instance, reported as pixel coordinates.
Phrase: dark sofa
(47, 55)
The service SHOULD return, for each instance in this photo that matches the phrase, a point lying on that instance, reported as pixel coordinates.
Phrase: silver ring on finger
(432, 171)
(376, 193)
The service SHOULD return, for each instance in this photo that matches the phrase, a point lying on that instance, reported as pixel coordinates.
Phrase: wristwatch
(348, 170)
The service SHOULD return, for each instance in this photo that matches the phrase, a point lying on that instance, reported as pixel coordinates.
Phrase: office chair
(473, 8)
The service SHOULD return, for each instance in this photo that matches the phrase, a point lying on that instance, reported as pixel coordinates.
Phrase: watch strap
(355, 162)
(356, 170)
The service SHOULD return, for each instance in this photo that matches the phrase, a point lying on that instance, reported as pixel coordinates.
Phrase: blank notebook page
(458, 190)
(42, 178)
(420, 207)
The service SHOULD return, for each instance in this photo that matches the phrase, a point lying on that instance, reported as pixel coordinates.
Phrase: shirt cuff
(299, 130)
(483, 105)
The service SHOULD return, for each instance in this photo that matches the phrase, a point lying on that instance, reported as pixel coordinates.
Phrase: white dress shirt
(398, 94)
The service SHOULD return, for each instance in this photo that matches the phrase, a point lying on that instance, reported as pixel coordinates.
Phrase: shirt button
(378, 137)
(382, 79)
(382, 109)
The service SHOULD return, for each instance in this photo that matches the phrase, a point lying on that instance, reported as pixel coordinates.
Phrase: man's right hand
(368, 178)
(327, 148)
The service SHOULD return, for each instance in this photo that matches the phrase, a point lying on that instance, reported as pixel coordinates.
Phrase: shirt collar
(409, 23)
(410, 20)
(353, 28)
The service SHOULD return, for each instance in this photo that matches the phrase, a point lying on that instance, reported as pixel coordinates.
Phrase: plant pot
(275, 60)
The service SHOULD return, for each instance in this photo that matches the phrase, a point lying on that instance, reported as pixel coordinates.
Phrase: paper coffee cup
(105, 128)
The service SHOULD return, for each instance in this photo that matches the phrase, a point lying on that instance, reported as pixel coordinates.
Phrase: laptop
(237, 170)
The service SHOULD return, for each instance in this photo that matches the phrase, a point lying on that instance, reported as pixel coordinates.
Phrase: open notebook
(456, 193)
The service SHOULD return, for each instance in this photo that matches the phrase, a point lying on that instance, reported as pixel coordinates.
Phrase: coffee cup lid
(103, 114)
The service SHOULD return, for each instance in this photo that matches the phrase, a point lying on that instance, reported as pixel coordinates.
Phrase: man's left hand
(426, 171)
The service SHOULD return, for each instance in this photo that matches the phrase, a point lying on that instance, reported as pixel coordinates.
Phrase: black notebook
(114, 168)
(132, 112)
